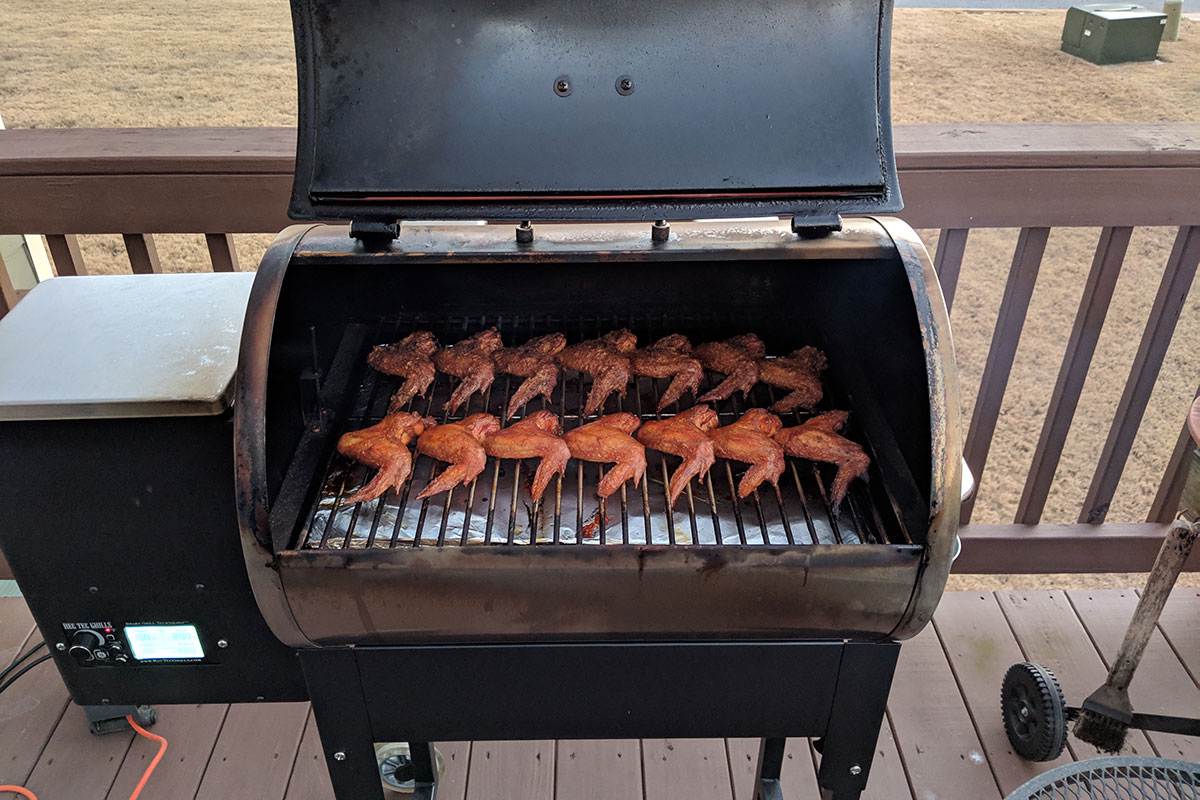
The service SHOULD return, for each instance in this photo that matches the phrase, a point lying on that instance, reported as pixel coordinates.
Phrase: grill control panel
(109, 644)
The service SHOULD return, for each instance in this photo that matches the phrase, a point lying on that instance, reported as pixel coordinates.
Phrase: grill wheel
(1034, 711)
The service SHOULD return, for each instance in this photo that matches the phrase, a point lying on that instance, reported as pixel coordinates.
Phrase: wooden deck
(943, 738)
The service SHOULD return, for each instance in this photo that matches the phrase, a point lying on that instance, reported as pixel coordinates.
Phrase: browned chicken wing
(684, 435)
(749, 440)
(411, 359)
(471, 360)
(607, 360)
(538, 435)
(818, 440)
(535, 361)
(383, 446)
(608, 440)
(670, 357)
(737, 359)
(799, 373)
(460, 444)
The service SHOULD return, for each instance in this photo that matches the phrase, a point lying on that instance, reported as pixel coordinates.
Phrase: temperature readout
(164, 642)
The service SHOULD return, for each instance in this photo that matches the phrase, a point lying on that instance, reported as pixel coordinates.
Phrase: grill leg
(342, 721)
(770, 765)
(859, 703)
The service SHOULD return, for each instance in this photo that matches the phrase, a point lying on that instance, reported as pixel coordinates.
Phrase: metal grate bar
(496, 508)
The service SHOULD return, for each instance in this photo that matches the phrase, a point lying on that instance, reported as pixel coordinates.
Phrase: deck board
(511, 771)
(1051, 634)
(943, 710)
(590, 768)
(685, 769)
(191, 733)
(981, 647)
(255, 752)
(935, 734)
(1161, 685)
(1180, 624)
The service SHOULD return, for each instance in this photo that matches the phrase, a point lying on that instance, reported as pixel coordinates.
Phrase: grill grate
(497, 509)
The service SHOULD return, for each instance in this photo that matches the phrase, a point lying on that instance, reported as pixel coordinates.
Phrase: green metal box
(1112, 33)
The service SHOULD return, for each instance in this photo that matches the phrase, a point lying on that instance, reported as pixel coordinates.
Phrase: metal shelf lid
(610, 109)
(123, 346)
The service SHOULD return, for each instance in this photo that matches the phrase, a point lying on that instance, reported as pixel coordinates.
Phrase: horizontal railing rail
(218, 182)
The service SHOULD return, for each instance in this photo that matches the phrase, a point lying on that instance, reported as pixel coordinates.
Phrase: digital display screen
(164, 642)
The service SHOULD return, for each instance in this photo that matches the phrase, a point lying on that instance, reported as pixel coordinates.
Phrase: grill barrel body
(867, 296)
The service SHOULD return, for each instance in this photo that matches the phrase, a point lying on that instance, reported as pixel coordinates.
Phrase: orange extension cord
(137, 791)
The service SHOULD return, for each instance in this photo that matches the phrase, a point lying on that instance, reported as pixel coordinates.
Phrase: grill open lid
(606, 109)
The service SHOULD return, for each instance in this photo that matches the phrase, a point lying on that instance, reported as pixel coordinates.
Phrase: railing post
(64, 251)
(221, 252)
(143, 255)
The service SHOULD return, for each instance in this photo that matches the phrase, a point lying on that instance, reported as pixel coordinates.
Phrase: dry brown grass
(161, 63)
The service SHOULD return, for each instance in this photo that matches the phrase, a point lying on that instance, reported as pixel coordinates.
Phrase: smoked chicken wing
(608, 441)
(737, 359)
(383, 446)
(607, 360)
(460, 444)
(818, 440)
(749, 440)
(471, 360)
(411, 359)
(535, 361)
(684, 435)
(670, 357)
(538, 435)
(799, 373)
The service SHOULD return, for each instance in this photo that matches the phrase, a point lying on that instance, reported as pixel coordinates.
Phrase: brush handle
(1173, 554)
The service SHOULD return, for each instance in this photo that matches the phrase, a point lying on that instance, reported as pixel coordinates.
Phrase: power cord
(9, 676)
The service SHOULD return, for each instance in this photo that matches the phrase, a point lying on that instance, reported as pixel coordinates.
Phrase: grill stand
(834, 691)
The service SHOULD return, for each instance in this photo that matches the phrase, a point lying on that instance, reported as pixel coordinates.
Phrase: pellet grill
(703, 168)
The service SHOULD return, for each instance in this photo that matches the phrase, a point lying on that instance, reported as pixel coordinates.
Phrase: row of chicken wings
(757, 438)
(611, 361)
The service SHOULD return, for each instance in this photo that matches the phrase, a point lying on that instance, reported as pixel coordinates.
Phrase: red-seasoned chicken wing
(383, 446)
(607, 360)
(608, 440)
(471, 360)
(818, 440)
(460, 444)
(410, 358)
(684, 435)
(749, 440)
(670, 357)
(538, 435)
(535, 361)
(737, 359)
(799, 373)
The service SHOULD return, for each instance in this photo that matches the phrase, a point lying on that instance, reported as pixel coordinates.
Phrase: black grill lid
(605, 109)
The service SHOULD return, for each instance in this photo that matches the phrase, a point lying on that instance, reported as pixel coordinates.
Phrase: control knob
(83, 643)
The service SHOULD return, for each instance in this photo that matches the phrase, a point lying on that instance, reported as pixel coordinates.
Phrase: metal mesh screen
(1116, 778)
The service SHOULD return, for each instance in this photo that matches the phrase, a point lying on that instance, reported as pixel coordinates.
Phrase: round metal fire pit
(1115, 778)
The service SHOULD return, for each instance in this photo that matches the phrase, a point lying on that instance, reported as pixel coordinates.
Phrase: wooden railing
(954, 178)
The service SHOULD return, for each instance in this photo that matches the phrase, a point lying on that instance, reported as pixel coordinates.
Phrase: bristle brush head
(1100, 730)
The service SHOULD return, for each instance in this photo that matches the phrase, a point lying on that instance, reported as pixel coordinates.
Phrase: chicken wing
(535, 361)
(411, 359)
(799, 373)
(737, 359)
(607, 360)
(608, 441)
(670, 357)
(684, 435)
(471, 360)
(460, 444)
(383, 446)
(749, 440)
(538, 435)
(818, 440)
